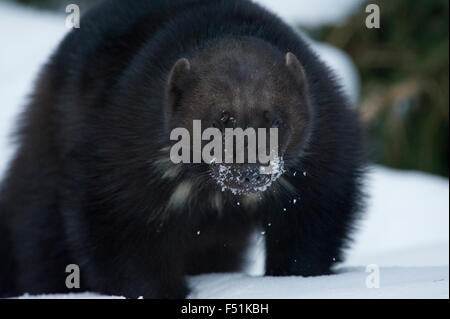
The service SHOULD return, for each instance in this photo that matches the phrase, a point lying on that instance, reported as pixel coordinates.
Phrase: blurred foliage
(404, 68)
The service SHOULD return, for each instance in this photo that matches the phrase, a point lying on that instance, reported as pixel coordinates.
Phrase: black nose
(251, 176)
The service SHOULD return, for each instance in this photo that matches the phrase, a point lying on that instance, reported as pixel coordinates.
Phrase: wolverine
(92, 182)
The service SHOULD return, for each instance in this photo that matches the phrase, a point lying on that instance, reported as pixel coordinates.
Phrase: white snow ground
(405, 231)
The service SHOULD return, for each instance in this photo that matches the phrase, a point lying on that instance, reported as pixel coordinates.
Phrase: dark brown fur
(92, 183)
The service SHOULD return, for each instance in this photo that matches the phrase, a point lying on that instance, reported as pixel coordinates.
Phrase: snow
(407, 222)
(225, 173)
(395, 282)
(405, 231)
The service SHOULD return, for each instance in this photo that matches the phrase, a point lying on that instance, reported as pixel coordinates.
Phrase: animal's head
(242, 84)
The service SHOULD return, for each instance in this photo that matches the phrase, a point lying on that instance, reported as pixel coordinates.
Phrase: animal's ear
(178, 78)
(294, 65)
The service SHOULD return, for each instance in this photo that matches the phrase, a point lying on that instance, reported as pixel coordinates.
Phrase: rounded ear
(297, 69)
(177, 79)
(181, 67)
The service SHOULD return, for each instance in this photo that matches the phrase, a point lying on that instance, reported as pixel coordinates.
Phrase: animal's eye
(277, 123)
(225, 117)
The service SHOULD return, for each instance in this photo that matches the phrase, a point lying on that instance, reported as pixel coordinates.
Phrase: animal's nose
(250, 175)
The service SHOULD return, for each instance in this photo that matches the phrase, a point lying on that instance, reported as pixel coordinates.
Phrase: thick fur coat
(91, 183)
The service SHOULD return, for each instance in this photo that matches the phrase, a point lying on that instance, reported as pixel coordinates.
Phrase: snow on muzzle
(247, 178)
